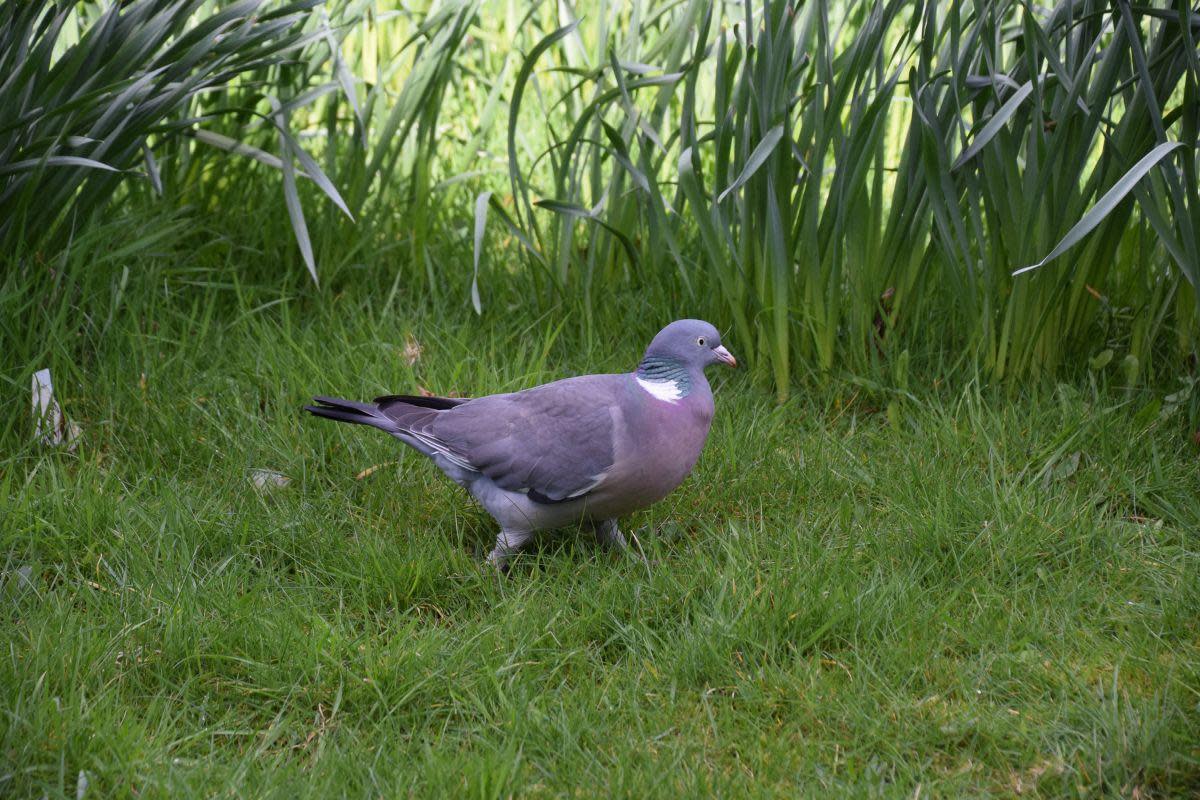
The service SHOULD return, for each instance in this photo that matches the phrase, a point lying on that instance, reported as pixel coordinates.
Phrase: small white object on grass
(51, 427)
(268, 478)
(412, 350)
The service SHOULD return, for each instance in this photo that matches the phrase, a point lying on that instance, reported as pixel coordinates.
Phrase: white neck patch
(667, 391)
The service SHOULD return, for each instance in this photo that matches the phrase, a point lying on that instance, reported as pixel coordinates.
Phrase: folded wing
(554, 441)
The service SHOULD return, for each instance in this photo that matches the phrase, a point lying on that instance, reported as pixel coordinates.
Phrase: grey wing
(554, 441)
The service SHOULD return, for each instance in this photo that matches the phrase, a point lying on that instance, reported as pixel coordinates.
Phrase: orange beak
(725, 356)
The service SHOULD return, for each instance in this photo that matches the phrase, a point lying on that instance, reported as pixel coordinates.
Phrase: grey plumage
(581, 450)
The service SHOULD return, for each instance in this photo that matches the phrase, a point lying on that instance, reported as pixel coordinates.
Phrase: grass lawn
(976, 595)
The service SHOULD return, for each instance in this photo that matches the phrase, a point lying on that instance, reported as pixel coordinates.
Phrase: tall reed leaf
(87, 84)
(1105, 204)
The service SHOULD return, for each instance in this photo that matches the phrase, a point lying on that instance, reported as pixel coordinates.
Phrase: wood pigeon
(584, 450)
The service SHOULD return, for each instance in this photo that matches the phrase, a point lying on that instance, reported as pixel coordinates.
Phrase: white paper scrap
(51, 427)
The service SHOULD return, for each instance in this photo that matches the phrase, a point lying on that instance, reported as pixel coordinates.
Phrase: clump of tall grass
(365, 110)
(832, 181)
(835, 175)
(87, 85)
(152, 89)
(1040, 130)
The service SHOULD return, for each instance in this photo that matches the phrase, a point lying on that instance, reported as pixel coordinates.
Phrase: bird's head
(693, 342)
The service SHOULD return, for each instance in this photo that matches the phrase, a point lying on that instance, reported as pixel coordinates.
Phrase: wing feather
(555, 442)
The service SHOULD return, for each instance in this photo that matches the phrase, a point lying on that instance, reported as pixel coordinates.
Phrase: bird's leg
(508, 542)
(609, 535)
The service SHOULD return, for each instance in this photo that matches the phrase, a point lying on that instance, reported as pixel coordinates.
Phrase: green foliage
(1078, 123)
(844, 174)
(87, 86)
(899, 581)
(833, 182)
(970, 593)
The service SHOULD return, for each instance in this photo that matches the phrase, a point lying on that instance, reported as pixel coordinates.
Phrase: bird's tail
(394, 413)
(353, 412)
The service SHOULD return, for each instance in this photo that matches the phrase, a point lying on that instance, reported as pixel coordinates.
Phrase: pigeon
(582, 451)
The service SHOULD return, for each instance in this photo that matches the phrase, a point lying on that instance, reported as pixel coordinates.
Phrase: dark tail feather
(350, 411)
(419, 401)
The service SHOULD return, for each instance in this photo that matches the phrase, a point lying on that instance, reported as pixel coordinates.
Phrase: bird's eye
(700, 341)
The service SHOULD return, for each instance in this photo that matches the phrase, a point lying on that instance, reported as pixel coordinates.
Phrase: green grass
(908, 581)
(932, 600)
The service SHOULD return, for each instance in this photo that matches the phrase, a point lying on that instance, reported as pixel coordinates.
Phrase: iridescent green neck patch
(661, 370)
